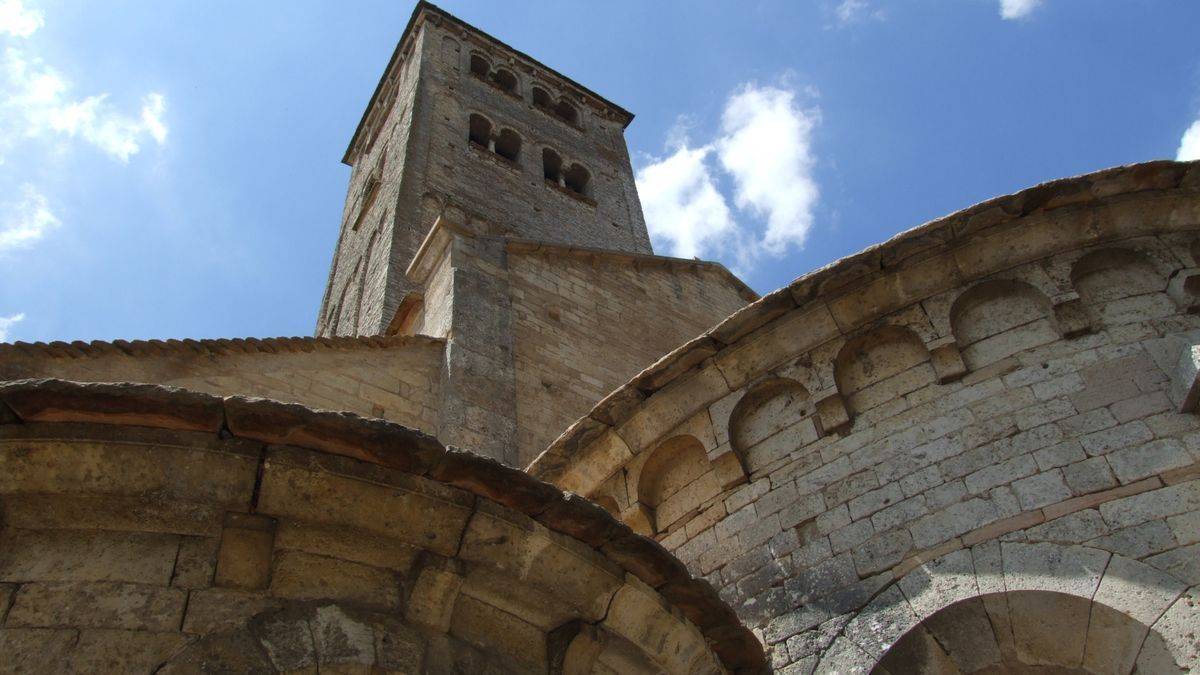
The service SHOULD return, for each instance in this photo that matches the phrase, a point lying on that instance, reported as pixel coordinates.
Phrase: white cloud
(764, 148)
(682, 203)
(37, 103)
(7, 322)
(25, 220)
(766, 145)
(18, 21)
(1017, 9)
(853, 11)
(1189, 145)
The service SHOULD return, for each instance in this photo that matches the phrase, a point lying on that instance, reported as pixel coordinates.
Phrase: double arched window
(561, 109)
(573, 178)
(482, 134)
(501, 78)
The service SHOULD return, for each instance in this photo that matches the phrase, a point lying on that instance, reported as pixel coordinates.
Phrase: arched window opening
(567, 113)
(480, 131)
(542, 98)
(505, 80)
(508, 145)
(479, 66)
(676, 481)
(576, 179)
(552, 166)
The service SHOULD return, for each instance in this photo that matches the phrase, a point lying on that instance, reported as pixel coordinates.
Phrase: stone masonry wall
(148, 530)
(584, 325)
(398, 379)
(971, 447)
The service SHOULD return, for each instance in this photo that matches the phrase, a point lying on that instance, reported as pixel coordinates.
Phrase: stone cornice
(421, 13)
(400, 448)
(910, 251)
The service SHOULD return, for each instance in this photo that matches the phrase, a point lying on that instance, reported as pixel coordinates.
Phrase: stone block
(300, 576)
(1072, 319)
(47, 649)
(546, 561)
(1090, 475)
(1069, 570)
(729, 470)
(832, 413)
(196, 563)
(123, 651)
(214, 610)
(86, 555)
(415, 511)
(246, 548)
(1041, 490)
(1130, 464)
(97, 605)
(1177, 629)
(882, 552)
(947, 363)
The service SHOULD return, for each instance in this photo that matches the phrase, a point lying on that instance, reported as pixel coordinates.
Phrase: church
(519, 441)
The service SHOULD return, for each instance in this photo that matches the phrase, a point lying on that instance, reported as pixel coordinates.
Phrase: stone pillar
(479, 389)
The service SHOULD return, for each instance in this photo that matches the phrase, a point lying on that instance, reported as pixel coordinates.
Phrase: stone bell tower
(492, 206)
(461, 120)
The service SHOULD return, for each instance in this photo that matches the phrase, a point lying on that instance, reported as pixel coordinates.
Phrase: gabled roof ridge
(213, 346)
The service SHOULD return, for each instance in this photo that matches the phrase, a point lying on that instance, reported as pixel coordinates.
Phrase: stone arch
(479, 130)
(880, 365)
(1016, 607)
(773, 418)
(998, 318)
(676, 480)
(1120, 285)
(506, 81)
(552, 166)
(508, 145)
(577, 179)
(566, 112)
(542, 98)
(480, 66)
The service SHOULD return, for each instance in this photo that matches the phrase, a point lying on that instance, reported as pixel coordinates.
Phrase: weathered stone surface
(97, 605)
(307, 577)
(244, 555)
(66, 555)
(375, 441)
(130, 404)
(495, 481)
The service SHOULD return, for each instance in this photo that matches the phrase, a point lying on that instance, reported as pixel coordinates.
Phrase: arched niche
(881, 365)
(1040, 632)
(676, 481)
(1120, 286)
(772, 419)
(996, 319)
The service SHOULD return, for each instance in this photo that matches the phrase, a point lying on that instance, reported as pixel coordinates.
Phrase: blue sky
(171, 168)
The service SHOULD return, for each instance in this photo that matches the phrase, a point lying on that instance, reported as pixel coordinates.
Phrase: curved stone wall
(1000, 392)
(155, 530)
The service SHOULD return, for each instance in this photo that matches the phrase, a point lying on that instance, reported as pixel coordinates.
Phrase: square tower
(462, 121)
